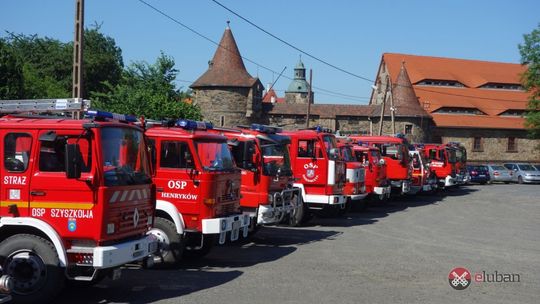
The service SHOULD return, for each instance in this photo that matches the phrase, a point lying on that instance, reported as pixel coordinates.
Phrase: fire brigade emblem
(459, 278)
(72, 224)
(310, 175)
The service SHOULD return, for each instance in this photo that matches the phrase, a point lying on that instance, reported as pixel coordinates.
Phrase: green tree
(530, 56)
(149, 90)
(11, 73)
(47, 64)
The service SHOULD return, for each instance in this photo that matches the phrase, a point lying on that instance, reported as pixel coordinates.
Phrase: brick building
(478, 103)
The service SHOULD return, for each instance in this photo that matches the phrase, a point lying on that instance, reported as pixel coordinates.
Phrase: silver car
(499, 173)
(523, 173)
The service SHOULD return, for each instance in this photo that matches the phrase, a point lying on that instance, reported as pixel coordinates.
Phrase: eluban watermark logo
(460, 278)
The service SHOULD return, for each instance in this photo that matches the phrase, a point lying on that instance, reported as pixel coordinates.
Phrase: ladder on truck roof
(75, 106)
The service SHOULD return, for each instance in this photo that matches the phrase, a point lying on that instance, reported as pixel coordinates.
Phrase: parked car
(537, 167)
(479, 174)
(523, 173)
(498, 173)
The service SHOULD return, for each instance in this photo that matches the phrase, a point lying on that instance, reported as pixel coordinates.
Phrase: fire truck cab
(442, 160)
(318, 170)
(462, 175)
(198, 189)
(375, 171)
(395, 152)
(267, 191)
(423, 179)
(355, 187)
(77, 196)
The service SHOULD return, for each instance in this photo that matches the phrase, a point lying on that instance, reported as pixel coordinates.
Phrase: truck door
(175, 179)
(16, 151)
(67, 204)
(311, 166)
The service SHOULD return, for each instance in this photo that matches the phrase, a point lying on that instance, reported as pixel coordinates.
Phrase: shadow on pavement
(145, 286)
(267, 245)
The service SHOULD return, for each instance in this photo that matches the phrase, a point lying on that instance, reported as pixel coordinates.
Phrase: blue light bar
(103, 114)
(189, 124)
(265, 129)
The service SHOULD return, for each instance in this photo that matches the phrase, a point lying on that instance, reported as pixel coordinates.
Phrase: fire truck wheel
(207, 243)
(300, 215)
(170, 243)
(32, 262)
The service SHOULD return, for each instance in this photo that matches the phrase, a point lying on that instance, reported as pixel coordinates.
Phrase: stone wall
(494, 143)
(233, 106)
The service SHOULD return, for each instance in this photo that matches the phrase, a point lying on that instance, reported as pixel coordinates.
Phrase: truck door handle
(159, 189)
(37, 193)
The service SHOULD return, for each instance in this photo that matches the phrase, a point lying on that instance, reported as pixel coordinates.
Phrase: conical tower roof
(227, 67)
(405, 99)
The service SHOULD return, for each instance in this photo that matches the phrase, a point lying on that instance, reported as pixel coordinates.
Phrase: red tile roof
(227, 67)
(472, 74)
(271, 93)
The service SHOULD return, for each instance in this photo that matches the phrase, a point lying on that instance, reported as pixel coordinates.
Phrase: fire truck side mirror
(73, 161)
(333, 153)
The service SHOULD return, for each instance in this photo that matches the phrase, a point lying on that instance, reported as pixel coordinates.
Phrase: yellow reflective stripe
(63, 205)
(18, 204)
(49, 205)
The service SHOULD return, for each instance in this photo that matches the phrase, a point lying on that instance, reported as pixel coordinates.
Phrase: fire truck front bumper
(326, 199)
(282, 203)
(383, 190)
(232, 224)
(357, 197)
(404, 186)
(120, 254)
(449, 181)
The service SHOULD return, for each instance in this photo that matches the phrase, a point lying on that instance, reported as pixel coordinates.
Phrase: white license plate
(482, 175)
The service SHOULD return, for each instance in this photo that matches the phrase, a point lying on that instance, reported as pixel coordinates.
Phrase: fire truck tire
(171, 244)
(207, 244)
(300, 216)
(32, 262)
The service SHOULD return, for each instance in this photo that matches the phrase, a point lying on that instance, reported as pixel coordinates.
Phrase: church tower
(297, 92)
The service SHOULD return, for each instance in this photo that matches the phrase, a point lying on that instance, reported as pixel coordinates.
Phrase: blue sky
(349, 34)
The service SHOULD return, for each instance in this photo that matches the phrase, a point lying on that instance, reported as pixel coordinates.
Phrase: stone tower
(226, 93)
(410, 118)
(297, 92)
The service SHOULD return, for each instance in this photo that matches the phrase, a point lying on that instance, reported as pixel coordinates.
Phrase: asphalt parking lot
(401, 252)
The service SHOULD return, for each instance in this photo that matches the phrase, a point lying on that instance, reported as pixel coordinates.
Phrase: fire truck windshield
(275, 158)
(214, 156)
(329, 143)
(451, 155)
(347, 154)
(125, 161)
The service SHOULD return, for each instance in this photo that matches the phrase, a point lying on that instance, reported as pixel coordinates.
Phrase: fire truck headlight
(110, 228)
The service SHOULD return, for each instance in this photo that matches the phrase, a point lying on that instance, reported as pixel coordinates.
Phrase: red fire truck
(263, 156)
(355, 188)
(198, 190)
(395, 152)
(318, 170)
(77, 196)
(462, 175)
(423, 178)
(442, 161)
(375, 171)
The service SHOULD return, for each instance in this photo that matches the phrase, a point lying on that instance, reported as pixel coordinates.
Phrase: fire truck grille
(229, 196)
(130, 220)
(226, 209)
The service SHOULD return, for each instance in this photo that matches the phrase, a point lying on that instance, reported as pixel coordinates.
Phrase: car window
(498, 168)
(525, 167)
